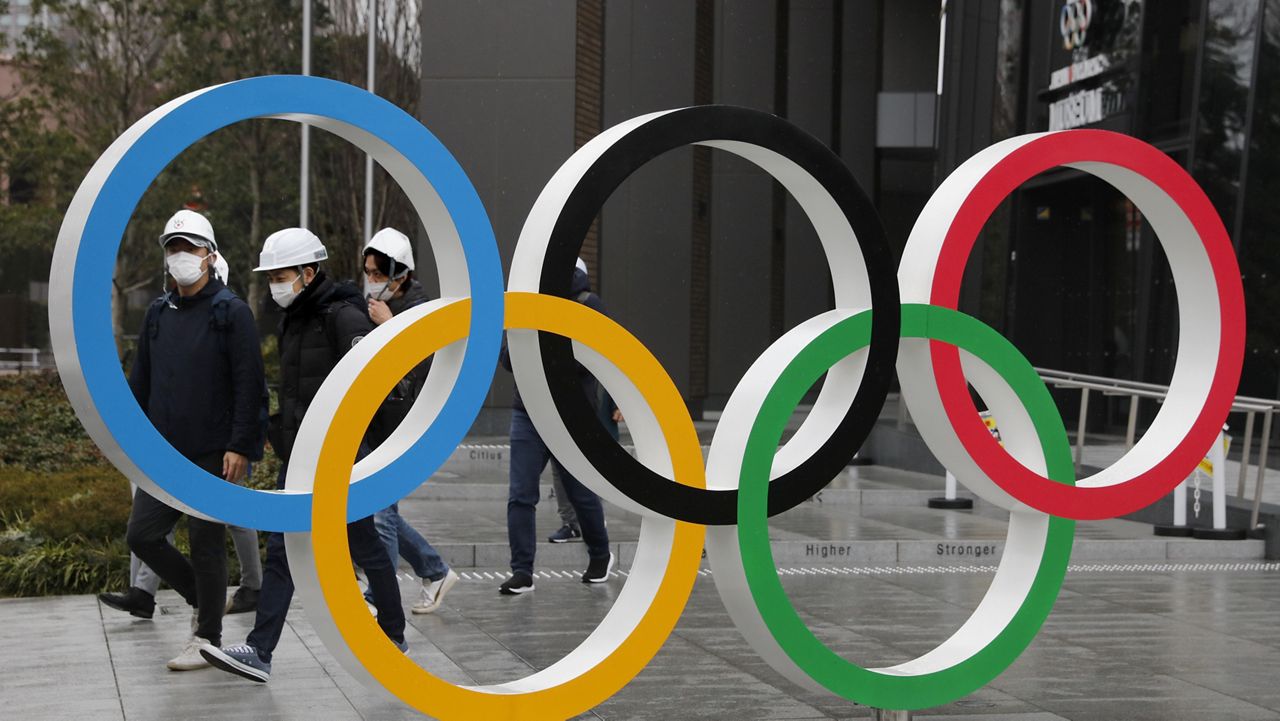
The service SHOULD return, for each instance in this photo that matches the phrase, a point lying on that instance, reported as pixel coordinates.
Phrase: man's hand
(379, 313)
(617, 416)
(234, 466)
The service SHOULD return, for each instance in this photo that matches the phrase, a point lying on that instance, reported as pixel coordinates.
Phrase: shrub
(38, 428)
(90, 502)
(69, 566)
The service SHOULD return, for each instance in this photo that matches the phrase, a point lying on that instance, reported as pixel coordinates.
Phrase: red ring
(1049, 151)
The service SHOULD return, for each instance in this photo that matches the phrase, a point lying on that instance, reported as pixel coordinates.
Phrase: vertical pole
(1262, 466)
(304, 166)
(1084, 414)
(1219, 460)
(942, 43)
(372, 21)
(942, 64)
(1132, 431)
(1244, 453)
(1180, 504)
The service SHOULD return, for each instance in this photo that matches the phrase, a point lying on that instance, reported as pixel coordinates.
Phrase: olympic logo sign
(879, 321)
(1073, 23)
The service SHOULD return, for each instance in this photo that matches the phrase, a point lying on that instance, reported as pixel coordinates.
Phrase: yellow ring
(370, 646)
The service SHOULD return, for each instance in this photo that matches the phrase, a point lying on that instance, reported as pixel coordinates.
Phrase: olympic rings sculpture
(938, 352)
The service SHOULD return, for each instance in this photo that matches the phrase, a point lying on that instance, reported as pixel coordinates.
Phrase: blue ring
(104, 228)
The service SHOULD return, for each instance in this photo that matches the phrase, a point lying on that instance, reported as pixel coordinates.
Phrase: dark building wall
(741, 194)
(498, 90)
(646, 226)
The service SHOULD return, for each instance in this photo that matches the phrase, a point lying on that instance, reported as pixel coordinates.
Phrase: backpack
(219, 320)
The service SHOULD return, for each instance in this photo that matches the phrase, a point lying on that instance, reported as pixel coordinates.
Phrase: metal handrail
(1248, 405)
(34, 362)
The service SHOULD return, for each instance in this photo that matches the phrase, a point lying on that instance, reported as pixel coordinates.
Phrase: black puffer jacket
(318, 328)
(414, 295)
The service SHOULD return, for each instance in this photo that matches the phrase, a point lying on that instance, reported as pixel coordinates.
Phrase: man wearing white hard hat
(198, 376)
(322, 320)
(390, 288)
(245, 540)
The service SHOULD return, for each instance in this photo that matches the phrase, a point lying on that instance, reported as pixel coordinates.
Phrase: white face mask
(186, 268)
(374, 290)
(284, 294)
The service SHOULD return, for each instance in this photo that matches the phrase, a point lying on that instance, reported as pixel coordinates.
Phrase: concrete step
(862, 552)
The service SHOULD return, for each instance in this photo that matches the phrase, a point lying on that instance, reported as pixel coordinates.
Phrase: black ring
(668, 132)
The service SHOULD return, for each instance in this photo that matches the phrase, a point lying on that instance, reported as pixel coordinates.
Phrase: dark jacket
(400, 400)
(198, 375)
(414, 295)
(318, 328)
(580, 291)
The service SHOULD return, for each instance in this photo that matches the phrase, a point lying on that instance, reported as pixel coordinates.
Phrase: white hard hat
(289, 248)
(581, 265)
(192, 226)
(393, 244)
(221, 268)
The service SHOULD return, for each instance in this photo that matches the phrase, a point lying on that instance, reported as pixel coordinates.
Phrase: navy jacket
(200, 379)
(579, 290)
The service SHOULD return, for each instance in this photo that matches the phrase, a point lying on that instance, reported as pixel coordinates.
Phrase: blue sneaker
(242, 660)
(402, 645)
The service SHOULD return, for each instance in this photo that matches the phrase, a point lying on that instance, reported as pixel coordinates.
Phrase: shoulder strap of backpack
(153, 316)
(221, 309)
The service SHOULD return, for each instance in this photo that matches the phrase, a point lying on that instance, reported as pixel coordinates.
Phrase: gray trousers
(246, 540)
(568, 517)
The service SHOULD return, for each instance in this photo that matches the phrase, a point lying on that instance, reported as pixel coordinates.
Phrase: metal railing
(27, 359)
(1135, 391)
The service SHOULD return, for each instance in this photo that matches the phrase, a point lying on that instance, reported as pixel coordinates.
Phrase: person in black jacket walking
(390, 289)
(322, 321)
(198, 376)
(529, 456)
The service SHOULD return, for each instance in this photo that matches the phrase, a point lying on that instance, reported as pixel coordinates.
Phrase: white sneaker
(433, 593)
(190, 658)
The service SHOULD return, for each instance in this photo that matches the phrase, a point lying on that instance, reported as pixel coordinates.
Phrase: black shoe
(565, 534)
(598, 570)
(243, 600)
(135, 602)
(517, 584)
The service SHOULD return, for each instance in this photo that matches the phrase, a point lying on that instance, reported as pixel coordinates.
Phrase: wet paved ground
(1144, 628)
(1156, 642)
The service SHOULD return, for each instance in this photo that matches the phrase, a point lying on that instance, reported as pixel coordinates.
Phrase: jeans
(201, 581)
(404, 541)
(563, 507)
(529, 456)
(277, 585)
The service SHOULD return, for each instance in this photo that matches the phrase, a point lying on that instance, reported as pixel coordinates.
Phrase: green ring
(839, 676)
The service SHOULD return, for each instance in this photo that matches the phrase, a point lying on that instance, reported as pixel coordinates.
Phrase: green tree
(250, 170)
(93, 75)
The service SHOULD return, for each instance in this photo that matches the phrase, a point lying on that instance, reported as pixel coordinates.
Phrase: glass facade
(1199, 79)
